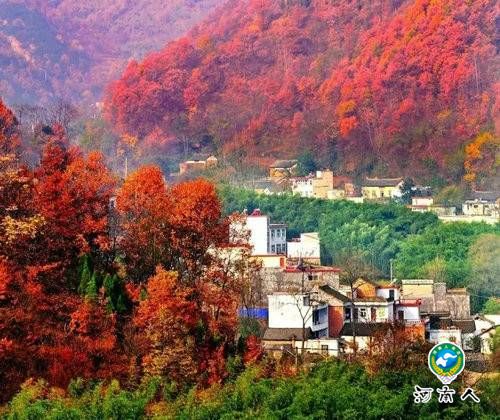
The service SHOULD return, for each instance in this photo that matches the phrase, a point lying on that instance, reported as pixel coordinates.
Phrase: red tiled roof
(313, 270)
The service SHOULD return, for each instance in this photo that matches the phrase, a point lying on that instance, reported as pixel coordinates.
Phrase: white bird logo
(442, 361)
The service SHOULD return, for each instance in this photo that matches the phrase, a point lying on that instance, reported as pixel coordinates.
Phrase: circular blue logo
(446, 361)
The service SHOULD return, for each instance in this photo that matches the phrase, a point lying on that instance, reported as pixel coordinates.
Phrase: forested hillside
(72, 49)
(378, 86)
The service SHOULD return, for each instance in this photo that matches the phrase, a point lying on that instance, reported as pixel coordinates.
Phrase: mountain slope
(378, 86)
(71, 49)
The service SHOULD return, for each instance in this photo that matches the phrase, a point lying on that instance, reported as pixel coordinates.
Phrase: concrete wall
(362, 343)
(373, 312)
(258, 228)
(327, 347)
(384, 292)
(410, 313)
(270, 261)
(303, 187)
(322, 183)
(422, 201)
(288, 311)
(439, 336)
(307, 247)
(380, 192)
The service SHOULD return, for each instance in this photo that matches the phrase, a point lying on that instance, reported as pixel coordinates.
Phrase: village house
(197, 165)
(382, 188)
(486, 328)
(302, 185)
(292, 278)
(344, 189)
(306, 248)
(436, 298)
(446, 312)
(263, 236)
(294, 317)
(482, 203)
(421, 204)
(283, 168)
(314, 185)
(373, 307)
(268, 186)
(441, 327)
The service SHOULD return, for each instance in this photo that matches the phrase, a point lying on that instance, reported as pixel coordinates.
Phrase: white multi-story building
(264, 237)
(306, 248)
(288, 310)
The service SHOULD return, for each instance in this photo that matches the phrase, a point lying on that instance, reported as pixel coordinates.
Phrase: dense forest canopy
(330, 390)
(382, 86)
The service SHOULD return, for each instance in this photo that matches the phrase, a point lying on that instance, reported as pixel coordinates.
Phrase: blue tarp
(259, 313)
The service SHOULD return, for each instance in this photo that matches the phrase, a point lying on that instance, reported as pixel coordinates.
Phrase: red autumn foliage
(403, 83)
(72, 195)
(254, 350)
(9, 136)
(167, 319)
(153, 295)
(143, 206)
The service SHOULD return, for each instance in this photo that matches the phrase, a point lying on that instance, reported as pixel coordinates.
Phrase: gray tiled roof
(491, 196)
(285, 333)
(382, 182)
(335, 293)
(363, 329)
(467, 326)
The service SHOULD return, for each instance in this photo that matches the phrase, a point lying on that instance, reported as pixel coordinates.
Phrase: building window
(283, 232)
(362, 312)
(373, 314)
(278, 249)
(306, 301)
(347, 313)
(324, 348)
(315, 317)
(391, 295)
(312, 276)
(273, 249)
(272, 233)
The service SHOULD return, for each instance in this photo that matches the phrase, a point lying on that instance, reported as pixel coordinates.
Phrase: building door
(373, 314)
(401, 316)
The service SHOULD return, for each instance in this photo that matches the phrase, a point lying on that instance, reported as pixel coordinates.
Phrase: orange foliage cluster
(395, 81)
(167, 305)
(481, 157)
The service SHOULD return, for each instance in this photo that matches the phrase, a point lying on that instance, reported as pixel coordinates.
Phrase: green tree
(406, 190)
(450, 196)
(484, 256)
(492, 306)
(306, 163)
